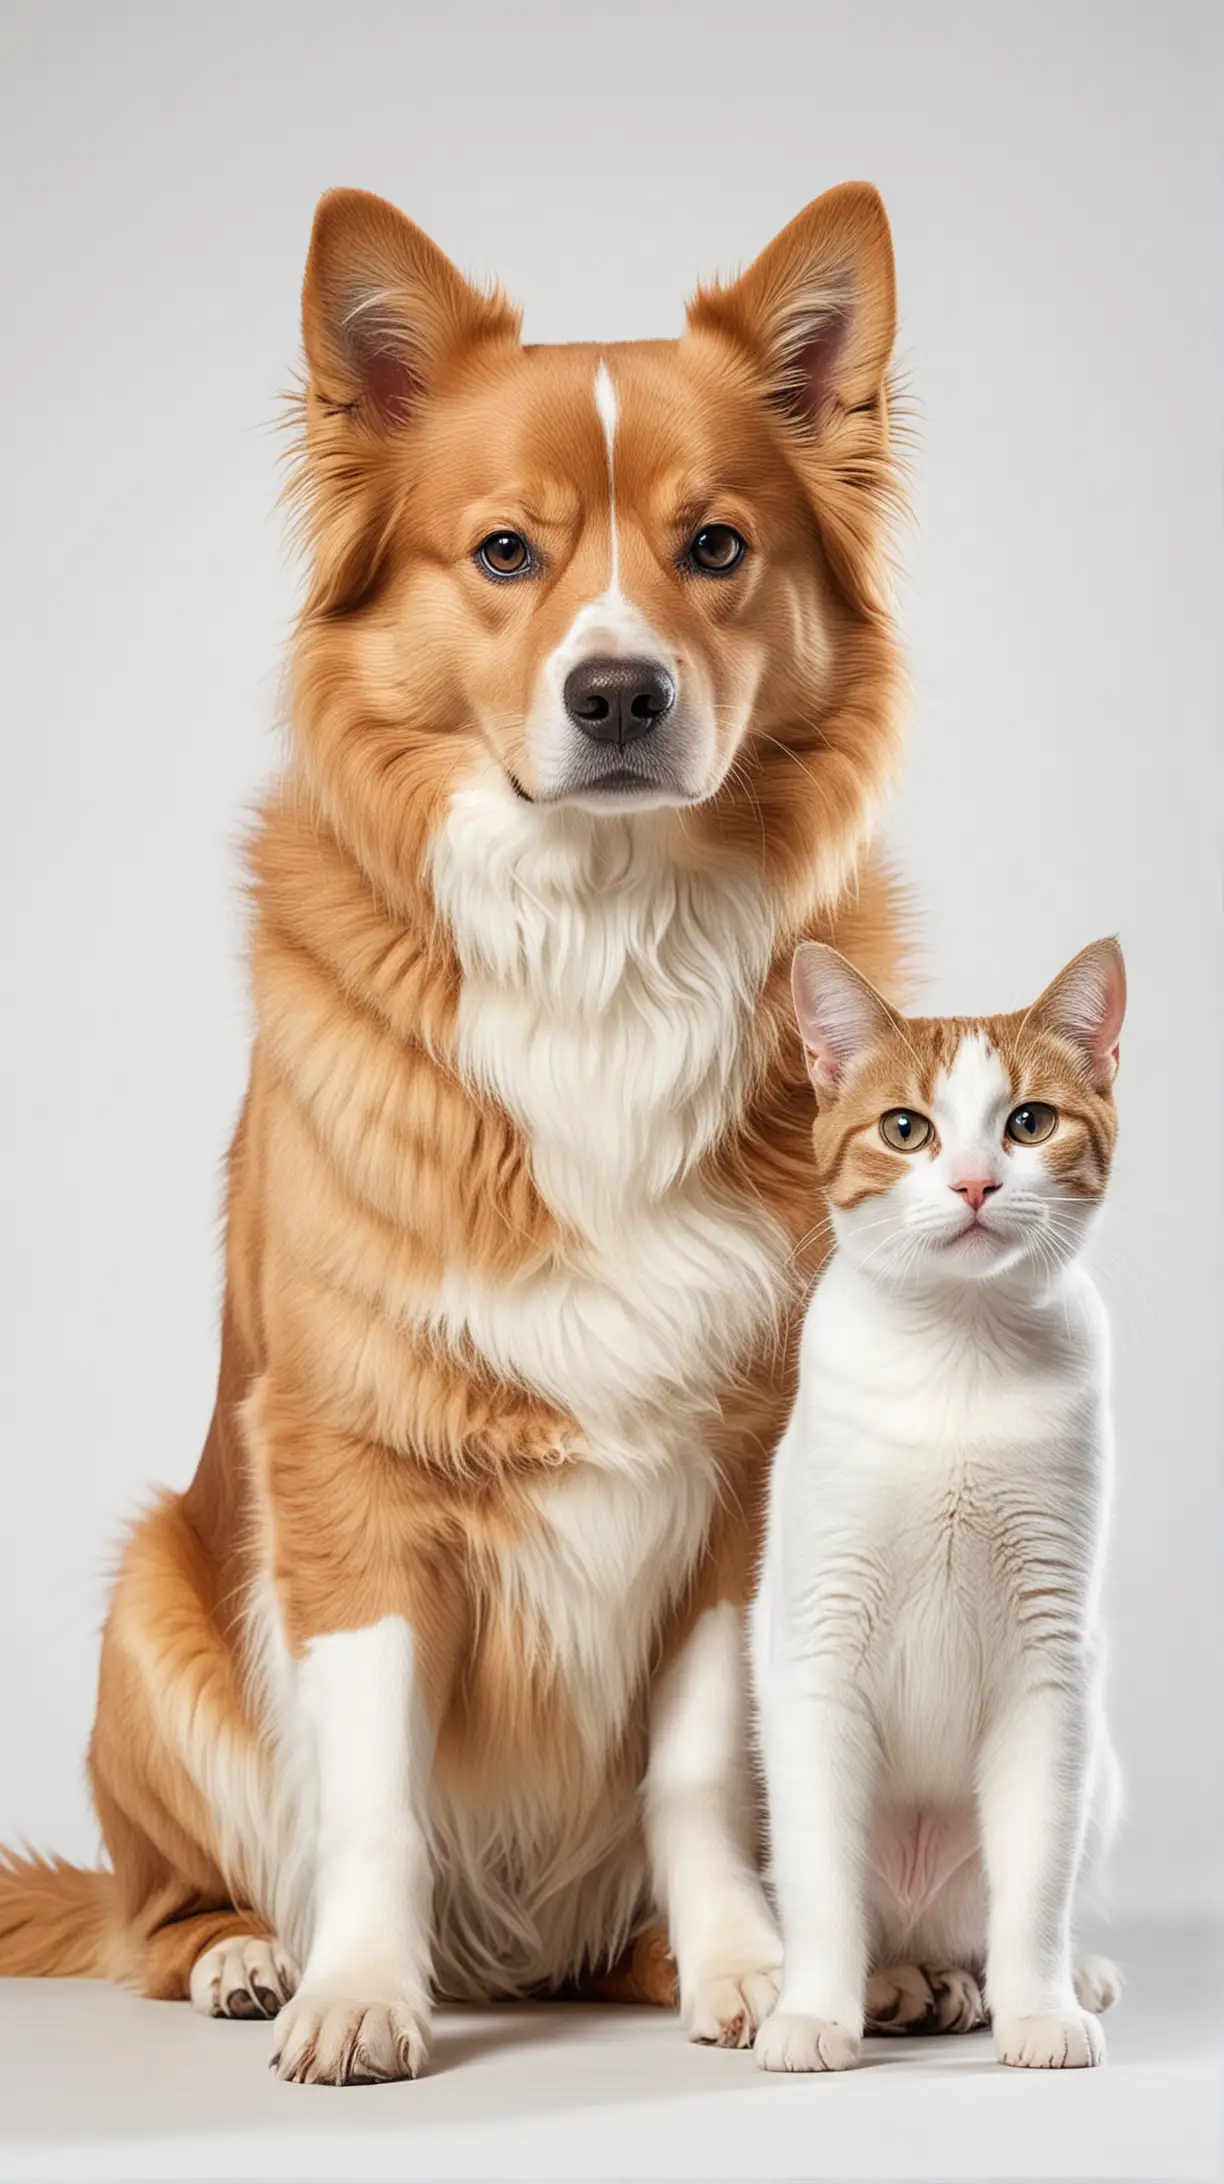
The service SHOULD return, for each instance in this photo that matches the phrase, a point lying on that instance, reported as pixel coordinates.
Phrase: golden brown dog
(431, 1682)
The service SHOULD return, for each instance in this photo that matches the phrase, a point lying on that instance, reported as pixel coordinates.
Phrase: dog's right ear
(384, 313)
(817, 310)
(383, 310)
(814, 318)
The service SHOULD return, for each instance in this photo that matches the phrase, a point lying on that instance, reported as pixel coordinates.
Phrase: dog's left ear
(815, 317)
(384, 311)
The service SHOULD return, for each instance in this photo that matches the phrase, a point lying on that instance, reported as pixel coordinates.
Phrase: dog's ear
(815, 318)
(384, 310)
(384, 316)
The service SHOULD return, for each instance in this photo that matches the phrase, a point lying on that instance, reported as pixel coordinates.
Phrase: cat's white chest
(937, 1479)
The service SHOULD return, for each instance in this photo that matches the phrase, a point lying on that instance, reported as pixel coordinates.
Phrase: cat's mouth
(975, 1233)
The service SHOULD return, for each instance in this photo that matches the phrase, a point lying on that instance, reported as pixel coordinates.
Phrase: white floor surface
(94, 2083)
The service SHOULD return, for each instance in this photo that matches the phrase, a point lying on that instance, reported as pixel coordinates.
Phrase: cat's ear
(383, 309)
(1085, 1005)
(840, 1015)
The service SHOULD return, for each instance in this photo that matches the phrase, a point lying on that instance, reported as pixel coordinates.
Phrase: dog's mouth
(618, 781)
(619, 784)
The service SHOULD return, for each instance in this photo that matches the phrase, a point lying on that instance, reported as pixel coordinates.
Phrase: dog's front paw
(908, 1998)
(790, 2042)
(328, 2037)
(1055, 2040)
(242, 1977)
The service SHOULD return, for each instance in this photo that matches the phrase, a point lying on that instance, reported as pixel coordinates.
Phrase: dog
(431, 1684)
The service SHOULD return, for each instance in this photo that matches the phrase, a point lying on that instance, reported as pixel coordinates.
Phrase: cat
(926, 1637)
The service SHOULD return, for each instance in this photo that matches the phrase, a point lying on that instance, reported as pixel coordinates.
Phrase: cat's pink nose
(975, 1192)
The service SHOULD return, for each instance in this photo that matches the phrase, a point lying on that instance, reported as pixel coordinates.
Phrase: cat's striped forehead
(970, 1088)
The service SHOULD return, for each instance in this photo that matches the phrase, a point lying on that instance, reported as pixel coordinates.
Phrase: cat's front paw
(725, 2004)
(1098, 1983)
(789, 2042)
(1056, 2040)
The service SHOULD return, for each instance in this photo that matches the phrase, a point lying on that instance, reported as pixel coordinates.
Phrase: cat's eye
(1032, 1124)
(905, 1131)
(503, 554)
(716, 550)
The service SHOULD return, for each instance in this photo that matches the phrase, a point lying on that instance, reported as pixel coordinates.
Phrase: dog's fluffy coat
(432, 1678)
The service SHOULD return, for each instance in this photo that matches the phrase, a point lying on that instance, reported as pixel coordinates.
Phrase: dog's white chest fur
(607, 1004)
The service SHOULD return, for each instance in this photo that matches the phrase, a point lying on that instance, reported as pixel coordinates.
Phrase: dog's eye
(717, 549)
(905, 1131)
(1032, 1124)
(504, 553)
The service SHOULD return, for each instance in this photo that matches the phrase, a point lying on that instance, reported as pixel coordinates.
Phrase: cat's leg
(819, 1764)
(700, 1832)
(1033, 1795)
(1098, 1980)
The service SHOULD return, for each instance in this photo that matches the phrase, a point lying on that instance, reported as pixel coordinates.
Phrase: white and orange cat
(927, 1641)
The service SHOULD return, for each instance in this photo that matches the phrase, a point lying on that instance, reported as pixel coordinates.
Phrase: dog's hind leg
(644, 1973)
(173, 1759)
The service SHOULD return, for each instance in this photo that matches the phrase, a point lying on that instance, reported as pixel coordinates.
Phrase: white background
(1050, 172)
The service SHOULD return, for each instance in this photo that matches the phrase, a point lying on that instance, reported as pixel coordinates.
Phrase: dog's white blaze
(609, 624)
(608, 413)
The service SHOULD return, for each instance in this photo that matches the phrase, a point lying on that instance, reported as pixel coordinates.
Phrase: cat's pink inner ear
(839, 1015)
(1086, 1005)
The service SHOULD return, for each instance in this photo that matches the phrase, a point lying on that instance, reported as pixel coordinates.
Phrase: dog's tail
(54, 1918)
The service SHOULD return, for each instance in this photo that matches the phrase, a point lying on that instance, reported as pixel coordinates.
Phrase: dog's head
(620, 572)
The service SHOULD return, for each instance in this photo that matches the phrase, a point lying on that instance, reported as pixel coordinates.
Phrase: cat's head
(956, 1148)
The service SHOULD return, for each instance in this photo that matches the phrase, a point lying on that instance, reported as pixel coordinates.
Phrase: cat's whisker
(864, 1228)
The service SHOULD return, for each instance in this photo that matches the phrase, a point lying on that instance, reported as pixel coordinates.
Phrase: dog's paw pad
(324, 2038)
(914, 1998)
(243, 1977)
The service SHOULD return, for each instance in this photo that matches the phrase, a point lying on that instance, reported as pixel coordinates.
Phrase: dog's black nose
(616, 701)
